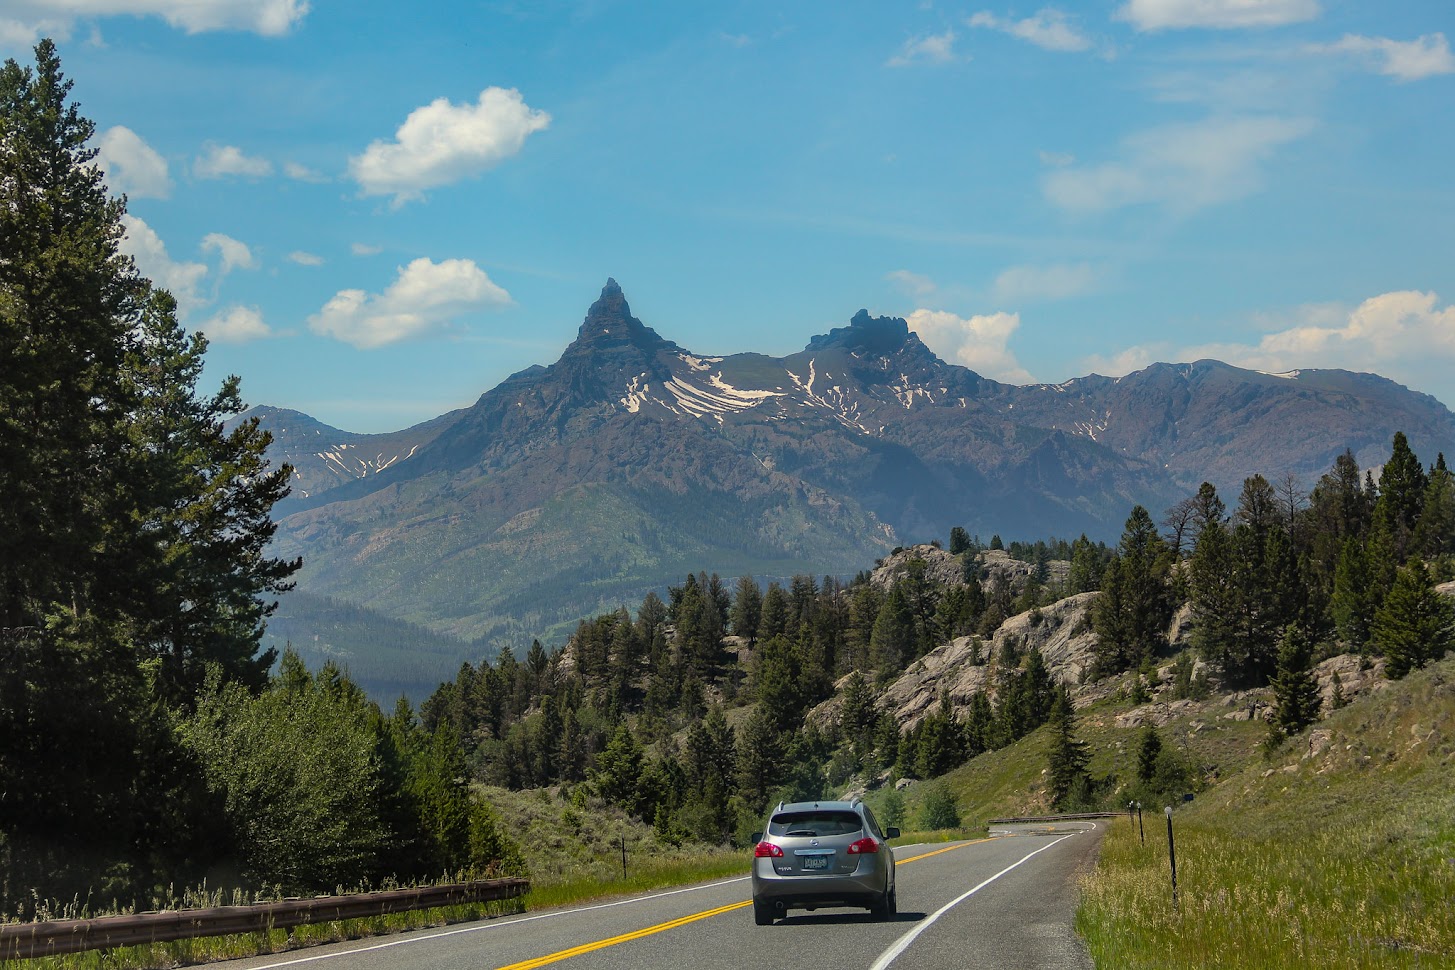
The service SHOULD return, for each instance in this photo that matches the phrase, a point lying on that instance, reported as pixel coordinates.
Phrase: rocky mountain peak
(876, 336)
(609, 324)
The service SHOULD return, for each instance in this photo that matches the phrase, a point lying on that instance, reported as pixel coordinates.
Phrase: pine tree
(1414, 626)
(893, 641)
(1147, 751)
(1132, 613)
(1295, 691)
(1401, 493)
(959, 541)
(1066, 765)
(747, 609)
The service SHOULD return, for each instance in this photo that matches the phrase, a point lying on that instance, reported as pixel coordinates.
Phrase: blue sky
(377, 211)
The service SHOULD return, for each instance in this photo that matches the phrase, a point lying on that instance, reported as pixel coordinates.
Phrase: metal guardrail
(21, 941)
(1053, 818)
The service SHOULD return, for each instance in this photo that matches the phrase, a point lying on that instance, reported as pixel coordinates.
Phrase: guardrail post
(1172, 856)
(623, 856)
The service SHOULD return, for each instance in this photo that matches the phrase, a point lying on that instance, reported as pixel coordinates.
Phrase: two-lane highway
(1004, 902)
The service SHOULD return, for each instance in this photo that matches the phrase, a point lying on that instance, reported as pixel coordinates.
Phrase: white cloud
(934, 49)
(1409, 60)
(979, 342)
(235, 255)
(425, 297)
(1391, 331)
(1183, 166)
(915, 284)
(1023, 284)
(144, 246)
(305, 259)
(236, 325)
(221, 161)
(31, 19)
(1404, 335)
(1048, 29)
(302, 173)
(1119, 365)
(442, 143)
(131, 165)
(364, 249)
(1056, 159)
(1217, 14)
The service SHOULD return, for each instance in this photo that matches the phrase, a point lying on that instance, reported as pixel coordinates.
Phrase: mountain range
(573, 488)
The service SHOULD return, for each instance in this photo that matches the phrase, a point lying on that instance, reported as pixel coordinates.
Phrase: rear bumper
(863, 887)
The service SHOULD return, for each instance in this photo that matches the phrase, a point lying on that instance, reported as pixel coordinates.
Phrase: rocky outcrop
(967, 665)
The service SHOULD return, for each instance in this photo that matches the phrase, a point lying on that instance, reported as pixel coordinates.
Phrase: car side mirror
(756, 837)
(891, 832)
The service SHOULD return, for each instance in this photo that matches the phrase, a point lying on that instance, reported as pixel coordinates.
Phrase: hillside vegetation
(1337, 851)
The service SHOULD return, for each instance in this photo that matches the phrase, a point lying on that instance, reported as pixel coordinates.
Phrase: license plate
(815, 862)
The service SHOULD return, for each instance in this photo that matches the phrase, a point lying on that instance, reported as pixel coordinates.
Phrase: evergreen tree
(1295, 691)
(1352, 605)
(959, 541)
(1401, 493)
(1147, 751)
(1087, 567)
(774, 619)
(1435, 532)
(857, 716)
(1066, 765)
(747, 609)
(1131, 616)
(1414, 626)
(893, 641)
(618, 770)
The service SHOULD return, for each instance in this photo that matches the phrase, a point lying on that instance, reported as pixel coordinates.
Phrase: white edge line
(494, 924)
(903, 943)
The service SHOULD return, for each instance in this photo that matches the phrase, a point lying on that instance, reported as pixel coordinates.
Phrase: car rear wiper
(808, 832)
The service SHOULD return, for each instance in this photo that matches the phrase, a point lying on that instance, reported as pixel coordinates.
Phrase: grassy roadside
(1337, 852)
(573, 850)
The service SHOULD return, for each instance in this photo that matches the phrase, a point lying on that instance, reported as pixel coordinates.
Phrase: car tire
(762, 913)
(884, 906)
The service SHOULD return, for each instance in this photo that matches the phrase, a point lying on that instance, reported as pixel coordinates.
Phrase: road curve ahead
(999, 903)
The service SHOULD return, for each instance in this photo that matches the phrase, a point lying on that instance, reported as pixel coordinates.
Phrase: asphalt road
(1004, 902)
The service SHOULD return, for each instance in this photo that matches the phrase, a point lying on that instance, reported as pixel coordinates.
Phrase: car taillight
(767, 850)
(867, 846)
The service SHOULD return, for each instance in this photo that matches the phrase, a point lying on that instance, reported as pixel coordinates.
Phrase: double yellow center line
(577, 951)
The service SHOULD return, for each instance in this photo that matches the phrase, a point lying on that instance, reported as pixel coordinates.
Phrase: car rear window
(814, 823)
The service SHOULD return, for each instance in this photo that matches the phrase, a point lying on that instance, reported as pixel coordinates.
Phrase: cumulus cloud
(222, 161)
(1022, 284)
(236, 325)
(980, 342)
(365, 249)
(1405, 335)
(915, 284)
(1048, 29)
(131, 165)
(425, 297)
(145, 247)
(304, 258)
(1409, 60)
(235, 255)
(28, 20)
(1185, 167)
(934, 49)
(1121, 364)
(302, 173)
(1217, 14)
(442, 143)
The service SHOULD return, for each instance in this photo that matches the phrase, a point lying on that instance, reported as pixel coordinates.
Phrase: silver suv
(817, 854)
